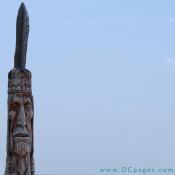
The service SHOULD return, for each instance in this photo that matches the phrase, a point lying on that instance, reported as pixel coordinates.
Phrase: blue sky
(103, 83)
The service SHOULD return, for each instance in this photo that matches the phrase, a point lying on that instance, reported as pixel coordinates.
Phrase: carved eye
(28, 106)
(14, 106)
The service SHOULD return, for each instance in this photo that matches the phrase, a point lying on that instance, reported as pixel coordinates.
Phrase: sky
(103, 83)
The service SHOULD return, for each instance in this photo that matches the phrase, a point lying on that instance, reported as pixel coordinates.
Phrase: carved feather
(22, 32)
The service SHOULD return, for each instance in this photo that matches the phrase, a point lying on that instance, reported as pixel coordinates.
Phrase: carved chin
(22, 149)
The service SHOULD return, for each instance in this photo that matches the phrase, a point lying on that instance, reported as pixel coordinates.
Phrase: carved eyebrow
(15, 102)
(28, 103)
(27, 100)
(15, 99)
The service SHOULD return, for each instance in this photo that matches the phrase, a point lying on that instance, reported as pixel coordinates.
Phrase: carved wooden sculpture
(19, 159)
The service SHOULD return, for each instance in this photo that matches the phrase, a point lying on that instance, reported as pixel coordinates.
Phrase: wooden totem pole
(19, 159)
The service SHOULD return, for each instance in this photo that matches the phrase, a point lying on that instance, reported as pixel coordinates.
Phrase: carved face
(20, 123)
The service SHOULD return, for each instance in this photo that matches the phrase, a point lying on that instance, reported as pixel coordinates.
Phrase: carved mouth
(21, 135)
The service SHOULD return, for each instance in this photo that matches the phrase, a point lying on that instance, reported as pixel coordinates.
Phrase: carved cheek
(29, 115)
(12, 117)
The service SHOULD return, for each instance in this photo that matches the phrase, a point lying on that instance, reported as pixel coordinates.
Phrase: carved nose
(21, 116)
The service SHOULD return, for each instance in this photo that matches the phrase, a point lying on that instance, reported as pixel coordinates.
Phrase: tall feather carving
(22, 32)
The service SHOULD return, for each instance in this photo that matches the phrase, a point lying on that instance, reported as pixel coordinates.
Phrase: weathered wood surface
(19, 159)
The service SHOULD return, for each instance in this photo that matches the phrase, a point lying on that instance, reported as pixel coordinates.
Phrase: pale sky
(103, 83)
